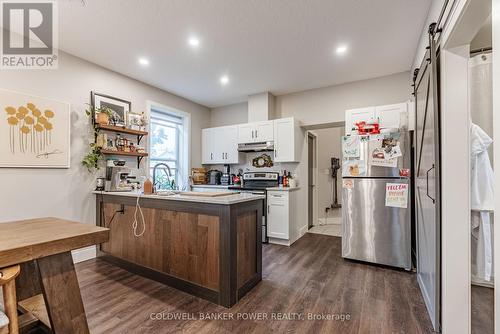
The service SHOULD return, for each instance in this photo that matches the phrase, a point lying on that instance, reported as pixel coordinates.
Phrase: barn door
(427, 183)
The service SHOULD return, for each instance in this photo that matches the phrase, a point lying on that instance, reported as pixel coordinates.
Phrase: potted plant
(102, 114)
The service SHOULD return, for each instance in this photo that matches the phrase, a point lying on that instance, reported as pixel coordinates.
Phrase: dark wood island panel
(210, 250)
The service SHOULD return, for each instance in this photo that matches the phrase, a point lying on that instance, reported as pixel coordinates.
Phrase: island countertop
(233, 198)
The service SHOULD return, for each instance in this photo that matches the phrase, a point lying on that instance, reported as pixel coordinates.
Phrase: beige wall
(229, 115)
(326, 105)
(66, 193)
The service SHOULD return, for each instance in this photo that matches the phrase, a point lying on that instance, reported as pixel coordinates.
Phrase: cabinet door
(219, 145)
(354, 116)
(391, 116)
(230, 145)
(246, 133)
(277, 216)
(207, 146)
(284, 140)
(264, 131)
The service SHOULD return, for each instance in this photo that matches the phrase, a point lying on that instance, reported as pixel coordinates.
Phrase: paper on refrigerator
(396, 195)
(350, 147)
(377, 154)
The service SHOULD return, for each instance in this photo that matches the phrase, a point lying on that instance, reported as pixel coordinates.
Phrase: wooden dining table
(43, 249)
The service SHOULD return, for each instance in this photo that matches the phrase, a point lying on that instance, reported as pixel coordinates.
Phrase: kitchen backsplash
(246, 166)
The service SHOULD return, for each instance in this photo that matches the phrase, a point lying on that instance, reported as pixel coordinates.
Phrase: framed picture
(120, 107)
(135, 121)
(34, 131)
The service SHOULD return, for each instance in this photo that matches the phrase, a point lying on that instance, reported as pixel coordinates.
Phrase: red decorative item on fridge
(371, 128)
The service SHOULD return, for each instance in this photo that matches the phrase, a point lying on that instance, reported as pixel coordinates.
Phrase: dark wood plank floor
(309, 277)
(482, 310)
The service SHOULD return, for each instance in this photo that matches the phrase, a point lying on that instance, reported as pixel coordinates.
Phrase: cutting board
(207, 194)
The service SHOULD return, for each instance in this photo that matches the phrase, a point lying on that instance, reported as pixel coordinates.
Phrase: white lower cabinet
(278, 214)
(281, 217)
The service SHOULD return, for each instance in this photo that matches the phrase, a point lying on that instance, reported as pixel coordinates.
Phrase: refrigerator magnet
(347, 184)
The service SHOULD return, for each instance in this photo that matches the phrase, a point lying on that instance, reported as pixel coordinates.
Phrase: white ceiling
(280, 46)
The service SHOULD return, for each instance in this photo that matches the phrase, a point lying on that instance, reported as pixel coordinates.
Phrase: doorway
(325, 178)
(312, 167)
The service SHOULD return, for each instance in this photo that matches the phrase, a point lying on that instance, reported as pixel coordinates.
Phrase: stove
(257, 183)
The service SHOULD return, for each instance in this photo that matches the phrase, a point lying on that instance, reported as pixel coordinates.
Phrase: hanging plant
(94, 156)
(91, 159)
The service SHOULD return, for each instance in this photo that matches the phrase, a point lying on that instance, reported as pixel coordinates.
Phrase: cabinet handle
(268, 209)
(211, 156)
(226, 156)
(222, 156)
(252, 134)
(256, 134)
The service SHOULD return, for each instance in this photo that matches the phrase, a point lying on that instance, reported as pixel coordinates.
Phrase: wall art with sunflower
(34, 131)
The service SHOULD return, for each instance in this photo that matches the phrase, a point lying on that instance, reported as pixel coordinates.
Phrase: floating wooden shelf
(131, 154)
(139, 156)
(122, 129)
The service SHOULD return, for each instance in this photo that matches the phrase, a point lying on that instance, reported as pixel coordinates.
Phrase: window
(168, 145)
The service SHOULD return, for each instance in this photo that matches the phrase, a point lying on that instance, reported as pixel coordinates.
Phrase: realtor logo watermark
(29, 34)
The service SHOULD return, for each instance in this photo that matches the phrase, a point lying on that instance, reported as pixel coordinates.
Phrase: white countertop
(225, 200)
(283, 189)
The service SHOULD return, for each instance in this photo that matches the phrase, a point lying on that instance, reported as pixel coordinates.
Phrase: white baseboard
(84, 254)
(282, 242)
(303, 230)
(330, 221)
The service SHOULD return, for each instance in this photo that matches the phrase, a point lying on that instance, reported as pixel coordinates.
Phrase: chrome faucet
(169, 173)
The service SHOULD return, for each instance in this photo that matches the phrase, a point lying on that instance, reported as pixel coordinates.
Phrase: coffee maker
(117, 179)
(226, 178)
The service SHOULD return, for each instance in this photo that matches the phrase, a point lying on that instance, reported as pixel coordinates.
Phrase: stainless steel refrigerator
(376, 188)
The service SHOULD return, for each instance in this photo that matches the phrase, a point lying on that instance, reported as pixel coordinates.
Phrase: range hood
(256, 147)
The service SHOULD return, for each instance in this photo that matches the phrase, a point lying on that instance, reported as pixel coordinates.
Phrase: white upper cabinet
(246, 133)
(264, 131)
(219, 145)
(389, 116)
(287, 140)
(354, 116)
(207, 146)
(392, 116)
(255, 132)
(228, 140)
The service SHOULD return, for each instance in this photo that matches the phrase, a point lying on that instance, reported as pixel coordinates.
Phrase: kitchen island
(206, 246)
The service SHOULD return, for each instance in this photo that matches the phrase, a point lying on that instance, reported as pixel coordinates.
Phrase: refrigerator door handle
(427, 182)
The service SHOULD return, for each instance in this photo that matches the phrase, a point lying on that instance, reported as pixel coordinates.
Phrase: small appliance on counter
(100, 184)
(199, 175)
(117, 177)
(213, 177)
(226, 178)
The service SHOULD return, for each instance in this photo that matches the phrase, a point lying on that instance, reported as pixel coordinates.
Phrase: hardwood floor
(308, 278)
(482, 310)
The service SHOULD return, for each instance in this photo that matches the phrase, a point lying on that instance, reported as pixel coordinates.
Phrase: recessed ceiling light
(224, 80)
(143, 61)
(193, 41)
(341, 49)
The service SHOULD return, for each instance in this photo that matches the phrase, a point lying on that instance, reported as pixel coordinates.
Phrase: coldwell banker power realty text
(29, 34)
